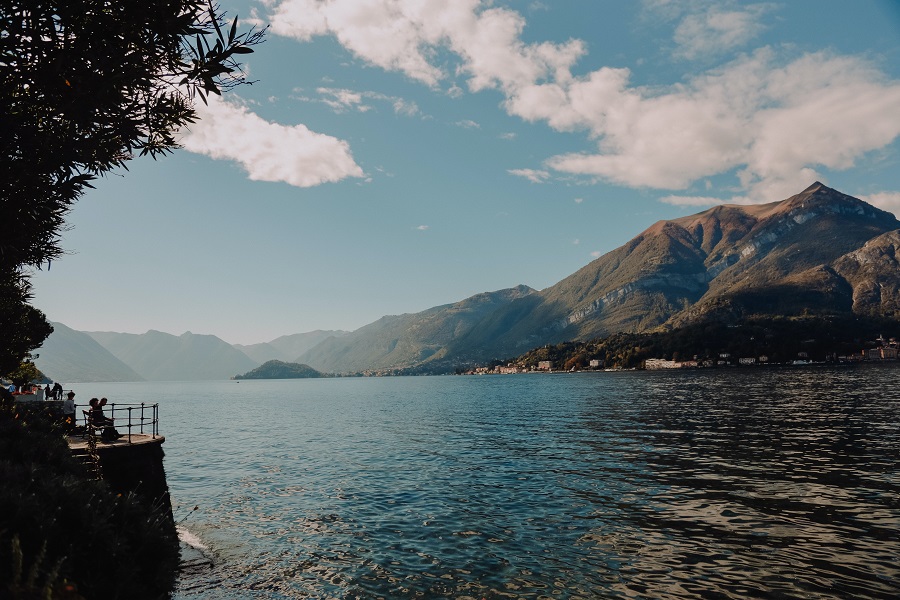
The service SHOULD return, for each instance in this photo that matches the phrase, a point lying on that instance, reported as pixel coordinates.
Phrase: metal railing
(137, 418)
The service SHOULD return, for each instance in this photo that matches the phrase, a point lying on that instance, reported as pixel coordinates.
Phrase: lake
(738, 483)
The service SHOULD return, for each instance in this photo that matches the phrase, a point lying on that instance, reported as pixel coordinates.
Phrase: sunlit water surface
(718, 484)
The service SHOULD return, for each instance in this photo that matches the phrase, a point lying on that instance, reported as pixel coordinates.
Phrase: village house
(655, 364)
(882, 353)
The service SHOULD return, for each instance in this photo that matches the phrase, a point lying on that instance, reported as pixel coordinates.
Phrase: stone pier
(135, 466)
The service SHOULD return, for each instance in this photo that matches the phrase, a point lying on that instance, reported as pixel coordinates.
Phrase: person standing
(68, 411)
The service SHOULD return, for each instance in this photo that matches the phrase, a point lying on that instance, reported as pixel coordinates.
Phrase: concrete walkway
(78, 443)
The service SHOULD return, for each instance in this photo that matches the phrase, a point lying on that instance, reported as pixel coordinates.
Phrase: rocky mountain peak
(815, 187)
(819, 199)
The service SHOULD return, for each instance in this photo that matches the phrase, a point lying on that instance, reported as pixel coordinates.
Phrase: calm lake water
(743, 483)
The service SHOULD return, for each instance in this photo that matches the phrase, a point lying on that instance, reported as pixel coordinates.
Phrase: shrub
(65, 535)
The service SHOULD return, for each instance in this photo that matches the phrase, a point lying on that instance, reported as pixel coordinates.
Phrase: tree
(23, 327)
(84, 86)
(26, 373)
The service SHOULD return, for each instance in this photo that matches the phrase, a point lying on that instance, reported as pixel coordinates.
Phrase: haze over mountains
(818, 252)
(74, 356)
(403, 341)
(287, 347)
(159, 356)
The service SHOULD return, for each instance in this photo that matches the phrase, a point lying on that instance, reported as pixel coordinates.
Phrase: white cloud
(508, 136)
(532, 175)
(342, 100)
(576, 242)
(403, 107)
(691, 200)
(774, 124)
(769, 121)
(579, 200)
(468, 124)
(716, 28)
(596, 254)
(889, 201)
(402, 35)
(382, 32)
(268, 151)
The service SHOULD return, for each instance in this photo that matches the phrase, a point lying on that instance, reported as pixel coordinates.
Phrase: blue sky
(396, 155)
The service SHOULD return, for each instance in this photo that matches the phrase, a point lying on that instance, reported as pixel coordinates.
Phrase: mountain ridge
(73, 356)
(159, 356)
(678, 270)
(403, 341)
(287, 348)
(817, 252)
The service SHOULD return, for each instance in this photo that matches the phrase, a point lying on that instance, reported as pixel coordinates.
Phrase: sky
(395, 155)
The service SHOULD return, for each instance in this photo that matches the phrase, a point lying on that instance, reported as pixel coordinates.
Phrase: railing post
(129, 423)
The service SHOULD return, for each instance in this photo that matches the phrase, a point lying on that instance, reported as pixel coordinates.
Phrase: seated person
(98, 419)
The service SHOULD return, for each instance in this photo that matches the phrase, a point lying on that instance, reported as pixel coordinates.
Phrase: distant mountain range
(159, 356)
(287, 348)
(405, 341)
(819, 252)
(75, 357)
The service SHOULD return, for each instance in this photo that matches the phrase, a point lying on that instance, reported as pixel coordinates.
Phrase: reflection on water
(738, 484)
(780, 484)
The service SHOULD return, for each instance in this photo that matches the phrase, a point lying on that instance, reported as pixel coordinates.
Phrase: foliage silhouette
(84, 86)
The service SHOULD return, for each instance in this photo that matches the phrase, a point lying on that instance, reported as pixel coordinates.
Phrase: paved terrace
(78, 443)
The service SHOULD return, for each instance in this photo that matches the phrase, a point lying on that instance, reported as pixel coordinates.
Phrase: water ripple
(745, 484)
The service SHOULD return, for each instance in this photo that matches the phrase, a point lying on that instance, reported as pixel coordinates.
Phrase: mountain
(276, 369)
(409, 340)
(70, 356)
(819, 251)
(873, 274)
(287, 347)
(159, 356)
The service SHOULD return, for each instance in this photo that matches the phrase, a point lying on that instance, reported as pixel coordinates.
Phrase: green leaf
(215, 22)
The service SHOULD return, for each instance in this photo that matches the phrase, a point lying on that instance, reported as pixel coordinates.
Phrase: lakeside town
(886, 349)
